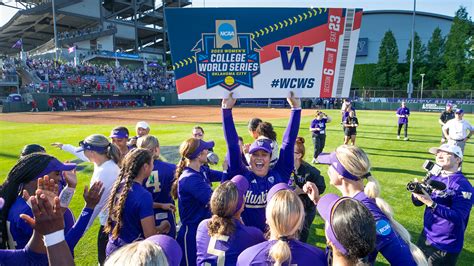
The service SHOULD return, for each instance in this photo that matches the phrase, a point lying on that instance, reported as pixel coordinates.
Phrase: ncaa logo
(226, 31)
(383, 227)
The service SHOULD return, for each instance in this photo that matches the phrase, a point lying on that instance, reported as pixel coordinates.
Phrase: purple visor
(326, 207)
(119, 133)
(275, 189)
(83, 145)
(170, 247)
(242, 185)
(56, 165)
(203, 145)
(261, 144)
(331, 159)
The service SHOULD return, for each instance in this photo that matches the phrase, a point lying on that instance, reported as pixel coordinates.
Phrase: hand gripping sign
(263, 52)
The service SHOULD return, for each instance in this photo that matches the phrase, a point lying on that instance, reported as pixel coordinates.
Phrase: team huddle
(259, 214)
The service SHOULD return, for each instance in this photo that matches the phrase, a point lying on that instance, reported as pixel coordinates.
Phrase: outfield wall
(170, 99)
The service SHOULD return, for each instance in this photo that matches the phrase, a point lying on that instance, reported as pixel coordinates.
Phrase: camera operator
(447, 211)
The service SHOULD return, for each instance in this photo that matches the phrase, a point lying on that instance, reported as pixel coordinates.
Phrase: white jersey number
(211, 249)
(154, 182)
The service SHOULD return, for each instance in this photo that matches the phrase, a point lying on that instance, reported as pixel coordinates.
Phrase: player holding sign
(259, 174)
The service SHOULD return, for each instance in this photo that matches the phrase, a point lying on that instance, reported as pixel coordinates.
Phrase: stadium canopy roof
(35, 25)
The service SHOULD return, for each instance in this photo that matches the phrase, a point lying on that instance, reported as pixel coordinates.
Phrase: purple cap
(119, 133)
(242, 185)
(449, 105)
(331, 158)
(170, 247)
(83, 145)
(326, 208)
(261, 144)
(56, 165)
(2, 203)
(275, 189)
(203, 145)
(459, 111)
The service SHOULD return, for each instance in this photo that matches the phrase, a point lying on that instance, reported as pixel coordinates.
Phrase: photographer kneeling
(447, 212)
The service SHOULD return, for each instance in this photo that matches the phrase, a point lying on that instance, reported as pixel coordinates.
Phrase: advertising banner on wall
(263, 52)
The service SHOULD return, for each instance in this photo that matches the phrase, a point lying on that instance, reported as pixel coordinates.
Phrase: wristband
(53, 238)
(65, 196)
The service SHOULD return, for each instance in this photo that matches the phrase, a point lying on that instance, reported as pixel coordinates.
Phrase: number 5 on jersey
(211, 249)
(154, 182)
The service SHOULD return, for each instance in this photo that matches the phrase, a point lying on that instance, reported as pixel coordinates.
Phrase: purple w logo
(295, 56)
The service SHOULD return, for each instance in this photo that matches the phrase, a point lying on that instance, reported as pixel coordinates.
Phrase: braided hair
(25, 170)
(186, 149)
(131, 165)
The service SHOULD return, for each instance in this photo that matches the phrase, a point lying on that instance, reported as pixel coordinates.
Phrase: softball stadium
(103, 66)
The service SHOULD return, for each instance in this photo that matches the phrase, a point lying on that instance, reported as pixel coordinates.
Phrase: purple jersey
(405, 112)
(194, 194)
(224, 250)
(24, 257)
(19, 232)
(213, 175)
(256, 197)
(388, 242)
(444, 226)
(159, 185)
(301, 254)
(321, 124)
(77, 230)
(346, 114)
(138, 205)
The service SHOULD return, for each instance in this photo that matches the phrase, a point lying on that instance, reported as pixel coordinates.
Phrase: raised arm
(230, 134)
(286, 161)
(71, 149)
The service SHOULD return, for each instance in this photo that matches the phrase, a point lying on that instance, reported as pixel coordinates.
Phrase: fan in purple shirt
(349, 229)
(223, 237)
(403, 113)
(130, 205)
(259, 174)
(23, 176)
(447, 211)
(285, 216)
(159, 185)
(349, 166)
(193, 192)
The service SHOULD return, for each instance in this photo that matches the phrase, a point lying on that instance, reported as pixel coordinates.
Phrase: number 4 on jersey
(154, 182)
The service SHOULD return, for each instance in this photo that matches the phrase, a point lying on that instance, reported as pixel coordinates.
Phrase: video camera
(427, 184)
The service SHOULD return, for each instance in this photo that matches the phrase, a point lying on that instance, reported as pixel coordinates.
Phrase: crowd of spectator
(81, 32)
(57, 103)
(8, 69)
(90, 78)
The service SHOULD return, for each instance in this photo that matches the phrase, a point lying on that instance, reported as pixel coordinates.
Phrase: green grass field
(394, 162)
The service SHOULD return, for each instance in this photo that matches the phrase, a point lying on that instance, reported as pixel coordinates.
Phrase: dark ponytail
(25, 170)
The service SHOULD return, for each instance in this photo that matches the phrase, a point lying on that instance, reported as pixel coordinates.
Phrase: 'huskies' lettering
(253, 199)
(295, 56)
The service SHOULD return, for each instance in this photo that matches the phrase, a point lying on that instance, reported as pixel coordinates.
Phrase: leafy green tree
(434, 59)
(457, 53)
(418, 59)
(387, 65)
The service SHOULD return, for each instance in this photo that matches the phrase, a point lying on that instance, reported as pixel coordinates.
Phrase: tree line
(447, 62)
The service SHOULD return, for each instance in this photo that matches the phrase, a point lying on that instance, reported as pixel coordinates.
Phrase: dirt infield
(161, 115)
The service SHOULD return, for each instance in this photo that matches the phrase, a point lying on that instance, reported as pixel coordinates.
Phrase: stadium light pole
(410, 82)
(55, 32)
(422, 78)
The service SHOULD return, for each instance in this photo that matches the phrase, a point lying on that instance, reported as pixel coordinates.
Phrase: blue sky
(444, 7)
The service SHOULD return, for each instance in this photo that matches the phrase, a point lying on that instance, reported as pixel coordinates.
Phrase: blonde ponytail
(285, 215)
(280, 252)
(372, 190)
(356, 161)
